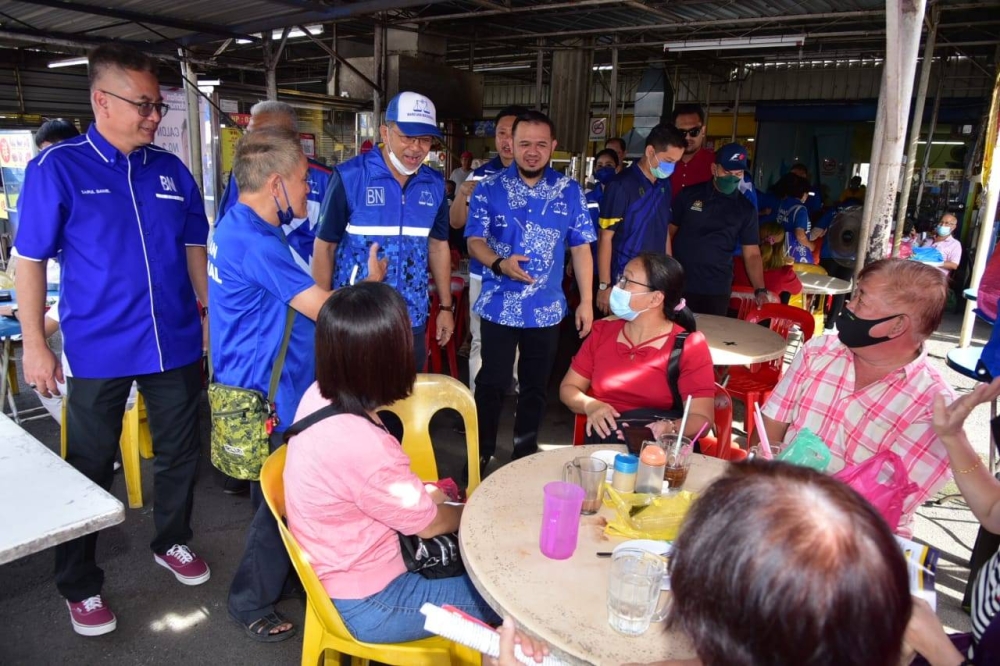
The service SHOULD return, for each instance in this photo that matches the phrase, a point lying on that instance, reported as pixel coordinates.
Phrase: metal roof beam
(139, 17)
(575, 4)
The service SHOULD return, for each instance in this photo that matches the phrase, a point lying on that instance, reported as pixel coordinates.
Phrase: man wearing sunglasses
(695, 166)
(388, 196)
(128, 223)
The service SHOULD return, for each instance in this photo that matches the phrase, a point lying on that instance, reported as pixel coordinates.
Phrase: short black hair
(609, 153)
(687, 109)
(534, 117)
(665, 136)
(54, 131)
(117, 56)
(616, 139)
(512, 110)
(768, 539)
(795, 186)
(666, 275)
(799, 166)
(364, 348)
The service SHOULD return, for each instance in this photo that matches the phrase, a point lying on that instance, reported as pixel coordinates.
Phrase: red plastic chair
(434, 351)
(742, 301)
(720, 444)
(754, 384)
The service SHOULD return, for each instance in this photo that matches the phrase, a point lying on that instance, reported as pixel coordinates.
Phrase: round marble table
(736, 342)
(563, 602)
(825, 285)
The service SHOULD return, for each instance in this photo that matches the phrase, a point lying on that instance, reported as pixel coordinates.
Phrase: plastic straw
(765, 445)
(686, 451)
(684, 418)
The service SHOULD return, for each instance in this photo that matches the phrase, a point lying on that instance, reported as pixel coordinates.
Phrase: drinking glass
(589, 474)
(634, 590)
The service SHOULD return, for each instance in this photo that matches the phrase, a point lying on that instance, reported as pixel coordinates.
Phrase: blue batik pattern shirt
(539, 222)
(495, 165)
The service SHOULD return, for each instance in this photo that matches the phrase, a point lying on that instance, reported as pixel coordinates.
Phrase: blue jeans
(393, 615)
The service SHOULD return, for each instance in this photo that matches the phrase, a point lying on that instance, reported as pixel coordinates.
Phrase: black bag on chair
(437, 557)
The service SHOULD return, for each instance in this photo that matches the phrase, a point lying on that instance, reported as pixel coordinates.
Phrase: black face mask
(855, 332)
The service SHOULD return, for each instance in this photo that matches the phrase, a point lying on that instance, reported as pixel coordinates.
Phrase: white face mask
(398, 163)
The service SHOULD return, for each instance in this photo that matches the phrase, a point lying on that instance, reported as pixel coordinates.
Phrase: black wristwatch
(495, 267)
(759, 291)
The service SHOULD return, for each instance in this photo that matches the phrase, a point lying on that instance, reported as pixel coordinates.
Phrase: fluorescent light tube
(69, 62)
(736, 43)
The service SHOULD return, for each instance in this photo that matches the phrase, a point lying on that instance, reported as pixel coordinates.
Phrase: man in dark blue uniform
(129, 223)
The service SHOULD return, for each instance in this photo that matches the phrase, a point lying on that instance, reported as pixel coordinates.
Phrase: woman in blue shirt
(793, 216)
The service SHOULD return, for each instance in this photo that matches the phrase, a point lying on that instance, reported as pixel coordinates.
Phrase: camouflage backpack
(243, 419)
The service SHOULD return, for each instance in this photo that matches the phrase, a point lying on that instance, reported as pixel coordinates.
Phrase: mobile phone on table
(635, 436)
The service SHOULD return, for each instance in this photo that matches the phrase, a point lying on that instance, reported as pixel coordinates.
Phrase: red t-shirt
(698, 170)
(776, 280)
(628, 377)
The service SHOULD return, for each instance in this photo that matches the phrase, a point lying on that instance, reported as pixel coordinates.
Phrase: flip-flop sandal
(260, 629)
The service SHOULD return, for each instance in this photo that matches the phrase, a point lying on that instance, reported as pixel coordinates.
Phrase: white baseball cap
(414, 114)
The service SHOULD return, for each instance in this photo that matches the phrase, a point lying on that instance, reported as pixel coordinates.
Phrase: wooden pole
(915, 124)
(904, 19)
(613, 106)
(987, 214)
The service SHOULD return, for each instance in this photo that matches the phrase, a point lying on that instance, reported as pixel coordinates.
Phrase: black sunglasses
(145, 108)
(694, 131)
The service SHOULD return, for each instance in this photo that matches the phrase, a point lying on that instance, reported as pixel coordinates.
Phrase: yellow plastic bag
(642, 516)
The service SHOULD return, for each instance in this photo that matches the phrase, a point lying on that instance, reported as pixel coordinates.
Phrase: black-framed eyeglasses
(623, 283)
(145, 109)
(693, 132)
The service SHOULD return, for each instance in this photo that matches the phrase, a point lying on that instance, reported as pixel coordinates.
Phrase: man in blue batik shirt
(521, 221)
(390, 197)
(301, 231)
(129, 223)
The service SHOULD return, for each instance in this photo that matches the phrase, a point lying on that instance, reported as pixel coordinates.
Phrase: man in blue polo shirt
(635, 212)
(503, 141)
(388, 196)
(253, 284)
(709, 220)
(521, 220)
(129, 223)
(300, 232)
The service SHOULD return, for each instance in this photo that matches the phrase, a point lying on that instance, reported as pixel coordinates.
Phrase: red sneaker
(91, 617)
(185, 565)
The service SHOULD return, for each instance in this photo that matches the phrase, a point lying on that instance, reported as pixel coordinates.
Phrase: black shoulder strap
(307, 422)
(674, 369)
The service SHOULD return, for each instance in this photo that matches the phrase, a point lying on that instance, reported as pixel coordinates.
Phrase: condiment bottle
(652, 463)
(626, 468)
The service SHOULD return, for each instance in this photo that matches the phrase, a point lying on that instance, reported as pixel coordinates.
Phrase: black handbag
(436, 557)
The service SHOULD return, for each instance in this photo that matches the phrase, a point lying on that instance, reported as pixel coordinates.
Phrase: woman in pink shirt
(348, 485)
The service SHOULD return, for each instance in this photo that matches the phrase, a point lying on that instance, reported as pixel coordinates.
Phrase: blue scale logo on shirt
(426, 198)
(375, 196)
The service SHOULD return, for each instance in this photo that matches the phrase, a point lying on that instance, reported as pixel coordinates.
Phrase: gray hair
(270, 107)
(264, 152)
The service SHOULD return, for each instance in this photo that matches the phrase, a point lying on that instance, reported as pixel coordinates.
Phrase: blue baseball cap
(413, 114)
(732, 157)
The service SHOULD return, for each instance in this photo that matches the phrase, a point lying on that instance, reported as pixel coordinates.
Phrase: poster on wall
(308, 142)
(17, 147)
(172, 134)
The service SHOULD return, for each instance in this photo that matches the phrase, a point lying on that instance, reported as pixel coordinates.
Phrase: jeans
(393, 615)
(94, 411)
(538, 354)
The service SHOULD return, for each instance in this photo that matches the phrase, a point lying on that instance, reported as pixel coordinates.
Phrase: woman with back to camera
(620, 371)
(348, 485)
(779, 275)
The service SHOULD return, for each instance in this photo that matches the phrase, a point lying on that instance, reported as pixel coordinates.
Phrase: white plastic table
(563, 602)
(44, 501)
(824, 285)
(737, 342)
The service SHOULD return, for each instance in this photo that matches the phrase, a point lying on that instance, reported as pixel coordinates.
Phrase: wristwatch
(449, 308)
(759, 291)
(602, 286)
(495, 267)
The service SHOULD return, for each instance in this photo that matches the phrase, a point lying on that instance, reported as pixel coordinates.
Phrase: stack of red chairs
(434, 351)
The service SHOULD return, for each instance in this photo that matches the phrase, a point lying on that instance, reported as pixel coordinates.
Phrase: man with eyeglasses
(695, 166)
(129, 225)
(388, 196)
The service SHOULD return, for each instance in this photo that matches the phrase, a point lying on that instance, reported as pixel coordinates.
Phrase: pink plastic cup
(560, 519)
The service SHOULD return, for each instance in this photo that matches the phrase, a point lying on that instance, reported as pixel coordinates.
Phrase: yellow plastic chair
(324, 634)
(799, 300)
(431, 394)
(136, 441)
(802, 267)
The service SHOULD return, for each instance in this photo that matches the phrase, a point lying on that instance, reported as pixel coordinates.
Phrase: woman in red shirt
(779, 277)
(620, 371)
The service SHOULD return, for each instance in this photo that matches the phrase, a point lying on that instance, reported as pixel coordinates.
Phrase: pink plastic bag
(887, 496)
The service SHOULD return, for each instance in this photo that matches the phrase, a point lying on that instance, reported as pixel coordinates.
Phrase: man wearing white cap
(389, 197)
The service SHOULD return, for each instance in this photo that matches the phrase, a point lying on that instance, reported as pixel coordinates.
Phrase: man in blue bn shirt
(635, 212)
(503, 141)
(520, 222)
(128, 221)
(388, 196)
(301, 231)
(253, 283)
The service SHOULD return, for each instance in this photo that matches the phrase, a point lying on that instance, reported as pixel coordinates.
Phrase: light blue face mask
(662, 170)
(620, 303)
(942, 230)
(284, 216)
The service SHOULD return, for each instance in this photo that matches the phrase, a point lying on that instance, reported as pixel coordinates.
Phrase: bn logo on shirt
(167, 183)
(375, 196)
